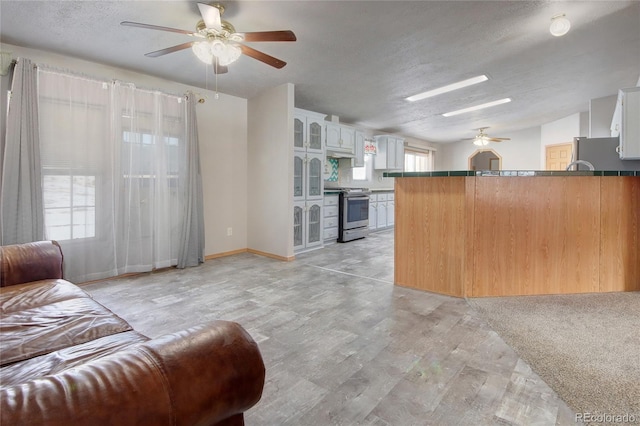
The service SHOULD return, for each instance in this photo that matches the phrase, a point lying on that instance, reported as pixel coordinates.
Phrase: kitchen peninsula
(475, 234)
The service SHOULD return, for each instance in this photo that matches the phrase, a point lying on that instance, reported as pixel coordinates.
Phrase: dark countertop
(481, 173)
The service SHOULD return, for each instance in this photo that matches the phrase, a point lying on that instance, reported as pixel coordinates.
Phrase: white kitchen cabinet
(308, 131)
(307, 176)
(381, 210)
(340, 138)
(381, 220)
(307, 224)
(358, 160)
(390, 154)
(626, 123)
(308, 180)
(373, 211)
(330, 208)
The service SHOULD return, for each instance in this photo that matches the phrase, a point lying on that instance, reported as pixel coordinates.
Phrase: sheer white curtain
(113, 161)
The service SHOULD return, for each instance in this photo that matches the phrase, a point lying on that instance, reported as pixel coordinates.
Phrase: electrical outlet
(229, 232)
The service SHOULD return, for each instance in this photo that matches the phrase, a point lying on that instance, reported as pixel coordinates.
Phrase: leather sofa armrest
(23, 263)
(205, 375)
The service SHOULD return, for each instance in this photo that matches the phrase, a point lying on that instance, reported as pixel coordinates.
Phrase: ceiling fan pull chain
(215, 64)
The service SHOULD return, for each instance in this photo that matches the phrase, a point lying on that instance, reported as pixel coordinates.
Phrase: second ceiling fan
(217, 42)
(482, 138)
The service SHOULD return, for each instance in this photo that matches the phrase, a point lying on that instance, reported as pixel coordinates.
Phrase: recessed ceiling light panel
(448, 88)
(477, 107)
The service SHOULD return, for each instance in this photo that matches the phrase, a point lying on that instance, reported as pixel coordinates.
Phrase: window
(364, 172)
(69, 205)
(418, 161)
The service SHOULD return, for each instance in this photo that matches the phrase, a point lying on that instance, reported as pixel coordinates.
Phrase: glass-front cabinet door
(314, 224)
(298, 176)
(299, 124)
(314, 133)
(314, 175)
(298, 225)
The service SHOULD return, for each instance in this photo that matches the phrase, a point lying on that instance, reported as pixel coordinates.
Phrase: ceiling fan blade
(499, 139)
(284, 35)
(210, 16)
(156, 27)
(263, 57)
(169, 50)
(219, 69)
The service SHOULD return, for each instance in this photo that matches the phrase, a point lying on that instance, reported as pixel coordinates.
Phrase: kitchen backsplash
(342, 173)
(331, 170)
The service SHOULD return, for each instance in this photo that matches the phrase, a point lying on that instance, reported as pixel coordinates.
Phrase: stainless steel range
(353, 216)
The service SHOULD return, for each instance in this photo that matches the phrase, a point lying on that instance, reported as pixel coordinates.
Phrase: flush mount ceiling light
(448, 88)
(477, 107)
(559, 25)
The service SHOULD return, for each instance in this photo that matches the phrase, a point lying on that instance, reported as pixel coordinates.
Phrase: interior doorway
(485, 159)
(558, 157)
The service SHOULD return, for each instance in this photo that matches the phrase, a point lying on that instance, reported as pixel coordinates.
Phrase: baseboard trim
(225, 254)
(248, 250)
(272, 256)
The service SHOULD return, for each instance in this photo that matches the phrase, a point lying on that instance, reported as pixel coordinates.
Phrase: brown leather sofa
(65, 359)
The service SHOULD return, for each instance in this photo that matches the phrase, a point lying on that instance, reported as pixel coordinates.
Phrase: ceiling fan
(217, 42)
(482, 139)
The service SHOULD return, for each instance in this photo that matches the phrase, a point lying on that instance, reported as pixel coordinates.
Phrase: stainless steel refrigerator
(601, 152)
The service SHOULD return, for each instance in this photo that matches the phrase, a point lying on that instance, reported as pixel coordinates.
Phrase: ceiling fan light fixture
(448, 88)
(481, 141)
(477, 107)
(226, 53)
(560, 25)
(202, 50)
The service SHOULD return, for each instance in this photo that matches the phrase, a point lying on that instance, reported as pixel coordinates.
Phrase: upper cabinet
(340, 137)
(626, 123)
(390, 155)
(308, 131)
(358, 160)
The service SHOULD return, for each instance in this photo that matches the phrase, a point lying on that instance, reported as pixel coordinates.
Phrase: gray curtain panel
(21, 202)
(191, 251)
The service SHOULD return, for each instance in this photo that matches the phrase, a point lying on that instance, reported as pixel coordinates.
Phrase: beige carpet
(586, 347)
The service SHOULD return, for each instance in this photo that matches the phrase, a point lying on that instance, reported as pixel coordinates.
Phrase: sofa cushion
(58, 361)
(43, 317)
(37, 293)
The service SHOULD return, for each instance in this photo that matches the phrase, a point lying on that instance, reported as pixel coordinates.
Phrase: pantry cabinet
(308, 182)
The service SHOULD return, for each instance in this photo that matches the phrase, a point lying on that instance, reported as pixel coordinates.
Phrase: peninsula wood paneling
(536, 235)
(501, 236)
(430, 233)
(620, 234)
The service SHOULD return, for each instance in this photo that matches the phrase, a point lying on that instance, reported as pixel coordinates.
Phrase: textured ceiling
(360, 59)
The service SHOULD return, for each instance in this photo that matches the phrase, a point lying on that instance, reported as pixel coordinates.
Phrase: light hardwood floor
(342, 345)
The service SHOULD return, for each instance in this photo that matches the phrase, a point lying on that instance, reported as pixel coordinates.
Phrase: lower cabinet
(381, 210)
(330, 233)
(307, 224)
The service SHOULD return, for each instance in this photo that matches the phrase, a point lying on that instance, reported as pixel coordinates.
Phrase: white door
(299, 178)
(314, 179)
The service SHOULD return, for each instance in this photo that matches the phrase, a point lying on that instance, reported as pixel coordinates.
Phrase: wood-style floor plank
(342, 344)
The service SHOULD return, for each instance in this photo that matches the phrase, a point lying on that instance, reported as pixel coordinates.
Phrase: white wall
(600, 116)
(222, 132)
(520, 153)
(270, 172)
(558, 132)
